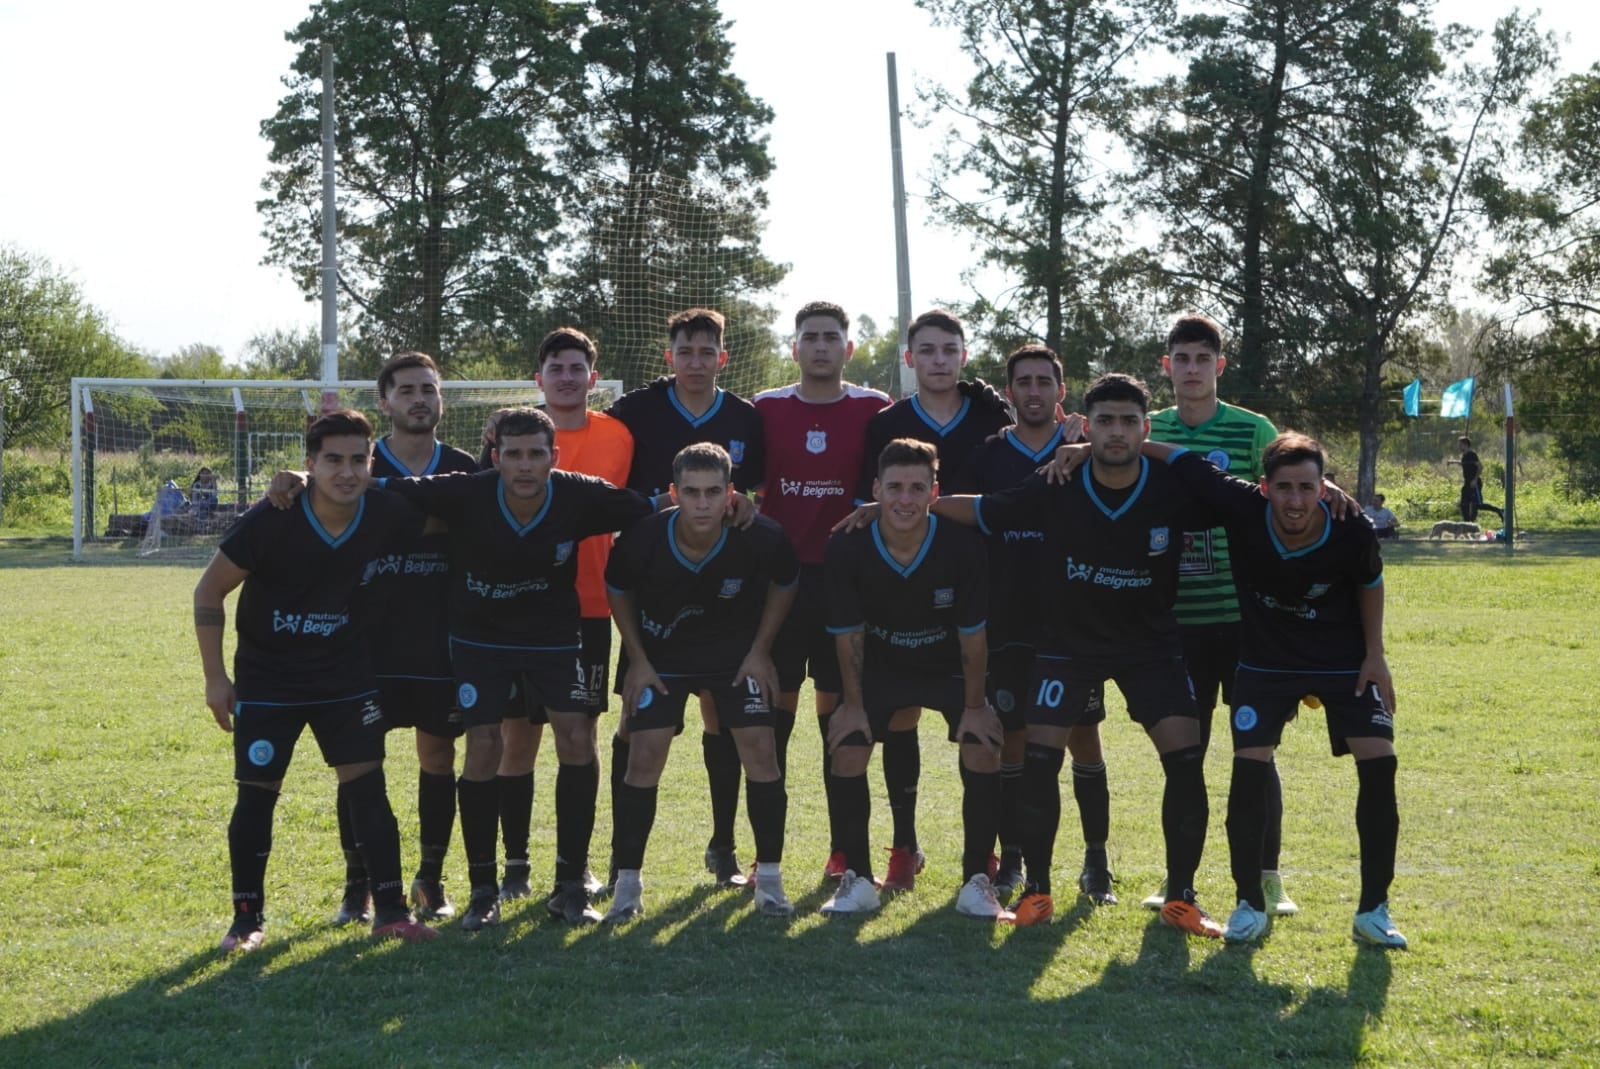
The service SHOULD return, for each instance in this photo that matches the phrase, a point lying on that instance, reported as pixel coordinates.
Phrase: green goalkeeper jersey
(1232, 440)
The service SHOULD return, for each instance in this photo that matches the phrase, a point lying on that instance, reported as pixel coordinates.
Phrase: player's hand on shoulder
(847, 719)
(1340, 504)
(220, 699)
(742, 513)
(1074, 426)
(1068, 459)
(285, 487)
(862, 516)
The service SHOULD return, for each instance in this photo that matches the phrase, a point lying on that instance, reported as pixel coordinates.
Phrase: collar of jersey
(694, 421)
(1044, 452)
(322, 532)
(672, 541)
(1186, 431)
(941, 429)
(1138, 488)
(1289, 554)
(433, 464)
(888, 558)
(505, 509)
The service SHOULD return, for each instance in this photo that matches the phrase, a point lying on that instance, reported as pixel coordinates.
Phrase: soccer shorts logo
(646, 696)
(261, 753)
(1244, 718)
(467, 696)
(1005, 701)
(1220, 458)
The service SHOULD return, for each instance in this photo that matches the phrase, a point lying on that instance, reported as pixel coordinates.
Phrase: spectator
(1383, 518)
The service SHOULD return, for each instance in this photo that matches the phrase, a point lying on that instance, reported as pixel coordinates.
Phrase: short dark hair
(1377, 499)
(514, 422)
(334, 424)
(1115, 386)
(1292, 447)
(400, 362)
(1032, 351)
(702, 456)
(939, 319)
(908, 451)
(1464, 440)
(563, 338)
(1195, 327)
(822, 308)
(692, 321)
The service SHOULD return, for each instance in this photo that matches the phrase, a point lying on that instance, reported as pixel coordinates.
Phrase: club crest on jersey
(944, 597)
(1317, 590)
(261, 753)
(730, 588)
(1220, 458)
(563, 551)
(1160, 539)
(816, 441)
(736, 451)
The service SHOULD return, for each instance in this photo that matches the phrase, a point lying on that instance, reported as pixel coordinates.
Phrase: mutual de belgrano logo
(310, 624)
(1115, 578)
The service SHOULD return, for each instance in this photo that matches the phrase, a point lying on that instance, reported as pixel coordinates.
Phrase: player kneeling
(687, 593)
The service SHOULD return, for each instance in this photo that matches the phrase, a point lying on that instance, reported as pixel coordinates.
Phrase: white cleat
(769, 897)
(855, 894)
(1376, 929)
(1279, 904)
(978, 899)
(627, 898)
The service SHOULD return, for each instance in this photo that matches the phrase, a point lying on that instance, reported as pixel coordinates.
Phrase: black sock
(980, 816)
(577, 786)
(378, 837)
(827, 783)
(436, 818)
(768, 806)
(619, 762)
(478, 803)
(782, 728)
(1247, 820)
(514, 795)
(1185, 812)
(855, 810)
(1010, 799)
(1272, 839)
(1378, 825)
(634, 816)
(1040, 811)
(902, 769)
(723, 769)
(355, 870)
(1092, 791)
(1204, 716)
(249, 846)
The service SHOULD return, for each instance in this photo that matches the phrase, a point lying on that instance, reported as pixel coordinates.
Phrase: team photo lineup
(987, 556)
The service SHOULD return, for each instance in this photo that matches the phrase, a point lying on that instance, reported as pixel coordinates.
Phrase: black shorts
(1067, 692)
(1211, 654)
(1010, 676)
(348, 731)
(738, 706)
(886, 692)
(804, 639)
(1266, 701)
(497, 682)
(425, 703)
(594, 661)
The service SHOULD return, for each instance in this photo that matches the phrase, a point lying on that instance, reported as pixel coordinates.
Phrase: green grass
(113, 883)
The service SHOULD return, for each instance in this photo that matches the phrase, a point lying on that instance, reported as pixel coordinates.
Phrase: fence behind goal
(164, 466)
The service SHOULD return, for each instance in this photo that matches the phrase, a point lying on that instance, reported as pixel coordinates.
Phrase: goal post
(160, 466)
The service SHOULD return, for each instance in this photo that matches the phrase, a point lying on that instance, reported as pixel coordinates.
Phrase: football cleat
(1009, 876)
(1186, 915)
(516, 884)
(1279, 904)
(429, 899)
(1374, 928)
(854, 895)
(627, 898)
(977, 899)
(592, 884)
(770, 901)
(483, 909)
(356, 905)
(245, 935)
(1246, 924)
(570, 902)
(724, 863)
(1096, 883)
(1156, 899)
(835, 867)
(1034, 907)
(403, 926)
(904, 865)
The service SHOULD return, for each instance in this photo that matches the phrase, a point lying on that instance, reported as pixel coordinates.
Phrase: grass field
(113, 883)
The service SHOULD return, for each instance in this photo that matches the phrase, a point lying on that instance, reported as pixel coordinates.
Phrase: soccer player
(678, 410)
(815, 438)
(1232, 438)
(955, 417)
(1311, 594)
(409, 640)
(698, 605)
(302, 660)
(1034, 384)
(907, 599)
(590, 443)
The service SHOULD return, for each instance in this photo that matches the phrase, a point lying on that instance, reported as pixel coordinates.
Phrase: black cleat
(516, 884)
(483, 909)
(356, 906)
(1008, 877)
(724, 863)
(1096, 883)
(570, 902)
(429, 899)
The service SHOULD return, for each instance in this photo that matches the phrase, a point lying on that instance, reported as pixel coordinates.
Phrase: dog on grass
(1455, 529)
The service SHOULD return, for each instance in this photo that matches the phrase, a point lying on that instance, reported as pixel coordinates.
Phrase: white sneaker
(627, 898)
(1279, 904)
(1246, 925)
(770, 899)
(978, 899)
(1376, 929)
(854, 895)
(1155, 900)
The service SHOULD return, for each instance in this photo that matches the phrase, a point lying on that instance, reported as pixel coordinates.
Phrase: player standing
(678, 410)
(302, 660)
(815, 437)
(698, 605)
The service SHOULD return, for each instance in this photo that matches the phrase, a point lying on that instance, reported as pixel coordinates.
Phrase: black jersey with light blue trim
(303, 611)
(1300, 609)
(410, 638)
(511, 583)
(1016, 558)
(661, 426)
(699, 617)
(983, 412)
(913, 614)
(1111, 556)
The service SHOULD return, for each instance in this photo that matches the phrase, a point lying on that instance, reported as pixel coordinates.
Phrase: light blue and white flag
(1413, 397)
(1457, 400)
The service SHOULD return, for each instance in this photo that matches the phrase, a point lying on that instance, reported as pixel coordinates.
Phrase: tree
(448, 201)
(1023, 173)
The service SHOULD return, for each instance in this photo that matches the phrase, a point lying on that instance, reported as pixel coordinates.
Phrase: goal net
(162, 467)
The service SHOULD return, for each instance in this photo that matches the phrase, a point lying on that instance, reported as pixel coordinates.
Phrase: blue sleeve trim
(1175, 454)
(847, 630)
(1376, 582)
(382, 482)
(977, 511)
(614, 589)
(979, 626)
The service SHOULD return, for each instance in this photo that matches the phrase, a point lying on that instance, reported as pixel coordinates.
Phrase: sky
(131, 158)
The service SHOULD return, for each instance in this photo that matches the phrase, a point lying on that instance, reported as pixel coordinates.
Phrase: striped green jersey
(1232, 440)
